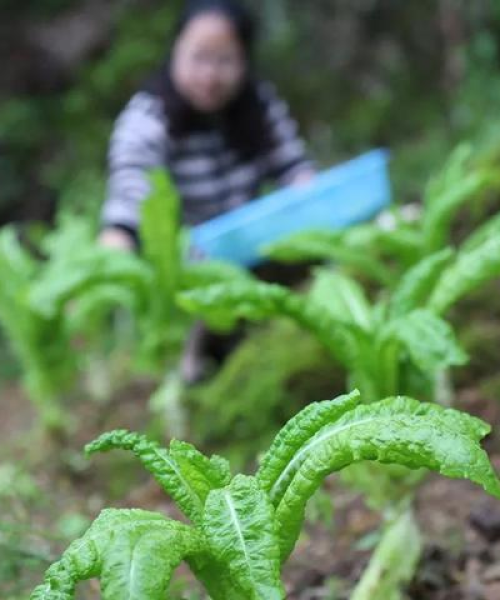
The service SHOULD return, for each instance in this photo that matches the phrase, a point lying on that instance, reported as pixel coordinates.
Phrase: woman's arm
(138, 144)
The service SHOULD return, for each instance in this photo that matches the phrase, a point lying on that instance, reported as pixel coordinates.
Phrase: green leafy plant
(243, 528)
(165, 250)
(40, 344)
(239, 412)
(34, 297)
(69, 288)
(400, 344)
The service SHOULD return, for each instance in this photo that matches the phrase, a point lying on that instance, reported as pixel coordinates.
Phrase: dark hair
(241, 19)
(242, 121)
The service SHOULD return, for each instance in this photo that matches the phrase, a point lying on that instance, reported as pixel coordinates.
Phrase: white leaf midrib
(237, 527)
(328, 434)
(165, 457)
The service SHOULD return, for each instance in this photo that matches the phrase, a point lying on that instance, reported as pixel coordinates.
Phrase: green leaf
(236, 405)
(205, 273)
(96, 303)
(14, 256)
(71, 276)
(73, 231)
(335, 246)
(382, 486)
(184, 473)
(215, 470)
(240, 529)
(133, 552)
(404, 243)
(304, 246)
(278, 465)
(417, 283)
(342, 297)
(396, 430)
(159, 233)
(223, 304)
(428, 339)
(457, 183)
(216, 579)
(470, 270)
(490, 229)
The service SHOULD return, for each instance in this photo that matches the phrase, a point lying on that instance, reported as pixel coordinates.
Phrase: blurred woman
(219, 130)
(205, 116)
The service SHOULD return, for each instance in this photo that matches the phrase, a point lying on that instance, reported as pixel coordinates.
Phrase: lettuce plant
(243, 528)
(89, 280)
(34, 294)
(70, 287)
(398, 345)
(40, 343)
(165, 251)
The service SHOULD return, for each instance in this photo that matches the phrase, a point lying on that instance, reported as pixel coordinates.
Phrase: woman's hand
(113, 237)
(302, 177)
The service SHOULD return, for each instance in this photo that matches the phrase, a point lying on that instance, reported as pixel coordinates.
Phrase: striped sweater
(209, 175)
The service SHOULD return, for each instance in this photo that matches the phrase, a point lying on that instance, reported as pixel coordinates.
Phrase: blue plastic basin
(348, 193)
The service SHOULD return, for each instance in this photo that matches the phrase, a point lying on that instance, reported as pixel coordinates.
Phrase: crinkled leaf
(133, 552)
(396, 430)
(216, 578)
(277, 468)
(187, 481)
(216, 470)
(240, 529)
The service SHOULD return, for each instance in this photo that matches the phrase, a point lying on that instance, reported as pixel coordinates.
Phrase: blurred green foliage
(271, 375)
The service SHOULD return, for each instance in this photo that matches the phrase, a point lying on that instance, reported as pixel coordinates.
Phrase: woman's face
(208, 63)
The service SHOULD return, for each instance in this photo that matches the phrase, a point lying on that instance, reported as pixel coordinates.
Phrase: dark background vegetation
(412, 76)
